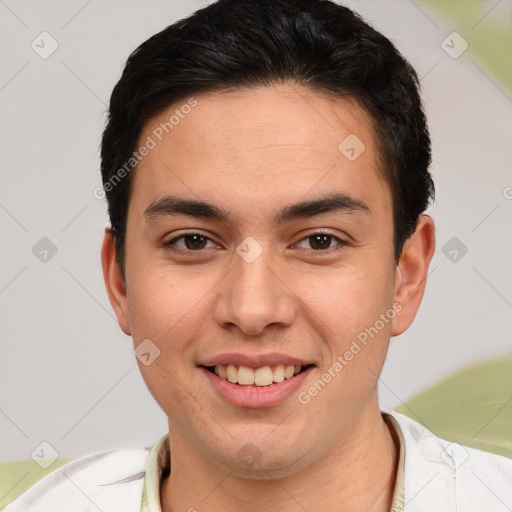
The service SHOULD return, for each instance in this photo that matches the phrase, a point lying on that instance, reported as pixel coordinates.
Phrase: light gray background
(68, 374)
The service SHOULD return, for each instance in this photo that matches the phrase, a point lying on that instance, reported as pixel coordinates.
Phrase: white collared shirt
(433, 475)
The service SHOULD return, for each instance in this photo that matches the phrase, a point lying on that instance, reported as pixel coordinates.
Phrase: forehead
(260, 145)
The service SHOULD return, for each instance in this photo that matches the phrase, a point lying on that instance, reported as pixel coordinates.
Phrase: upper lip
(254, 361)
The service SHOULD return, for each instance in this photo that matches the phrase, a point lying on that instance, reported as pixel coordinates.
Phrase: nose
(255, 295)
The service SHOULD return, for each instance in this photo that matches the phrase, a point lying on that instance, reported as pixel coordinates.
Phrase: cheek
(354, 339)
(164, 306)
(344, 302)
(167, 310)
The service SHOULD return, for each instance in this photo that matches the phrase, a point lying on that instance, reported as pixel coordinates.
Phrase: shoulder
(110, 480)
(444, 475)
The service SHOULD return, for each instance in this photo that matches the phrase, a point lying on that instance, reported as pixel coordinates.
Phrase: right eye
(189, 242)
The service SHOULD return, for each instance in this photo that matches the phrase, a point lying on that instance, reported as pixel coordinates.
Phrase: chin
(263, 460)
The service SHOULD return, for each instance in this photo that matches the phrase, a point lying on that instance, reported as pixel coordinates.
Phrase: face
(255, 239)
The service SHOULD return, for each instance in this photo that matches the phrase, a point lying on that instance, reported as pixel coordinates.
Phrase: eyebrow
(172, 205)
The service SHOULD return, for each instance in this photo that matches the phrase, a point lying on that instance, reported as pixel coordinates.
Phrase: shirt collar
(159, 466)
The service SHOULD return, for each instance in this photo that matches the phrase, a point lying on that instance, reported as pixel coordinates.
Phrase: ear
(411, 273)
(114, 282)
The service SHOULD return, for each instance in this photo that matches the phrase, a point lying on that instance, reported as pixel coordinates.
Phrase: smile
(256, 377)
(262, 387)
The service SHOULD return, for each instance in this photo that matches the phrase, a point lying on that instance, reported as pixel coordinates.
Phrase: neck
(358, 473)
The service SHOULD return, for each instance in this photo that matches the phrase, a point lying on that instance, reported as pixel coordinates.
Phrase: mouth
(265, 376)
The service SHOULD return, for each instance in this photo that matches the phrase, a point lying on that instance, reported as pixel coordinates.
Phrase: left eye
(321, 241)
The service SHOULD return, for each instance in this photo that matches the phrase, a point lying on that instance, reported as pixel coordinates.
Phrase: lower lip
(257, 397)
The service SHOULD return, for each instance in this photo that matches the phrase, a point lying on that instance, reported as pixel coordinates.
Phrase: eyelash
(171, 243)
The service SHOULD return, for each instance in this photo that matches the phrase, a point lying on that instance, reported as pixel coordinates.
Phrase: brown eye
(195, 241)
(190, 242)
(321, 241)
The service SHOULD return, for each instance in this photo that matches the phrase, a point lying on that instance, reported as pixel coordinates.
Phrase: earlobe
(412, 271)
(114, 283)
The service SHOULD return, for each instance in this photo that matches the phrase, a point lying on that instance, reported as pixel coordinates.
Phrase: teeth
(223, 371)
(260, 377)
(289, 371)
(232, 373)
(263, 376)
(278, 373)
(245, 376)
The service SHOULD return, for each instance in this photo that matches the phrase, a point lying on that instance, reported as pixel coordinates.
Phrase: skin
(253, 152)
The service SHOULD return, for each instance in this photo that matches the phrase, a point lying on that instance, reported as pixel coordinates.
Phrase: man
(266, 170)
